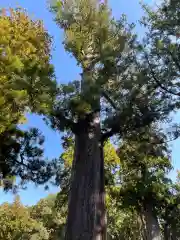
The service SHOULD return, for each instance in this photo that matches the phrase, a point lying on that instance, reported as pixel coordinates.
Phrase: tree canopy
(27, 84)
(27, 77)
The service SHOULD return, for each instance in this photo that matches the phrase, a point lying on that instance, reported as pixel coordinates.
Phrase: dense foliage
(26, 72)
(27, 84)
(16, 223)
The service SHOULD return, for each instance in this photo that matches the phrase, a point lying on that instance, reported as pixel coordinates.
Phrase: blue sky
(66, 70)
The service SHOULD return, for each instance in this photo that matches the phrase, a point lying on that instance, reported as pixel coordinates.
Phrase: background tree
(162, 47)
(27, 84)
(27, 77)
(144, 182)
(17, 224)
(123, 223)
(169, 211)
(45, 211)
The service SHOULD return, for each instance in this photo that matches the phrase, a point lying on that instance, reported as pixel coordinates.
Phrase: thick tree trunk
(153, 231)
(86, 214)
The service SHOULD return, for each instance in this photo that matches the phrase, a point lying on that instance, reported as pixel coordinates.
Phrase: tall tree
(27, 84)
(144, 182)
(113, 92)
(45, 212)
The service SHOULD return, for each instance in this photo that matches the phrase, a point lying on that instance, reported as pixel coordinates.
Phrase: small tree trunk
(167, 234)
(167, 226)
(174, 234)
(86, 212)
(153, 231)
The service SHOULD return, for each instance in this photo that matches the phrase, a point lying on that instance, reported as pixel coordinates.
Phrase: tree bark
(153, 231)
(86, 213)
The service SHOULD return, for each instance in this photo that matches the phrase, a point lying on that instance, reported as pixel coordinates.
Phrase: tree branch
(134, 124)
(59, 117)
(164, 142)
(158, 82)
(105, 95)
(107, 135)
